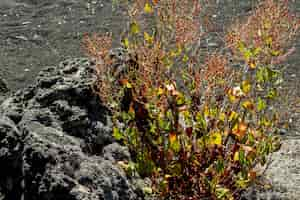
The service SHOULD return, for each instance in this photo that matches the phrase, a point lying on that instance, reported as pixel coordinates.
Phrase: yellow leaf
(233, 116)
(167, 176)
(269, 40)
(206, 111)
(248, 105)
(160, 91)
(256, 51)
(126, 43)
(148, 9)
(179, 49)
(134, 28)
(173, 53)
(252, 65)
(246, 86)
(231, 97)
(222, 116)
(185, 58)
(267, 24)
(236, 156)
(128, 85)
(216, 138)
(148, 38)
(275, 53)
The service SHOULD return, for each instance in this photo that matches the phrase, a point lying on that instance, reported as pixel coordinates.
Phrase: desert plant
(197, 127)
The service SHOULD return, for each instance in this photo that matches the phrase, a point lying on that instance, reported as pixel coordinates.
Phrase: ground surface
(39, 33)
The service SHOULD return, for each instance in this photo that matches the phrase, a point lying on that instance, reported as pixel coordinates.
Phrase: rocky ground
(56, 143)
(35, 34)
(55, 140)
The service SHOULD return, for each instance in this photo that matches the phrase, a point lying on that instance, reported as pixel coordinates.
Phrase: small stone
(3, 86)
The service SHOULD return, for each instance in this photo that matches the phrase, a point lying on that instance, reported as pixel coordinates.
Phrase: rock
(3, 86)
(283, 174)
(10, 159)
(56, 143)
(116, 152)
(3, 89)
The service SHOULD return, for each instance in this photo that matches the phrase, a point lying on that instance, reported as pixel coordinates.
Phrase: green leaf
(242, 157)
(201, 121)
(222, 192)
(241, 46)
(175, 169)
(180, 100)
(262, 75)
(247, 55)
(117, 134)
(220, 166)
(272, 93)
(164, 124)
(242, 182)
(174, 143)
(261, 104)
(167, 62)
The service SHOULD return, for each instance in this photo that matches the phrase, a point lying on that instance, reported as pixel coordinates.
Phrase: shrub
(196, 126)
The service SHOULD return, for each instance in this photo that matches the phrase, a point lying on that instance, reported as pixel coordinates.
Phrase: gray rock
(11, 159)
(283, 174)
(56, 143)
(3, 89)
(3, 86)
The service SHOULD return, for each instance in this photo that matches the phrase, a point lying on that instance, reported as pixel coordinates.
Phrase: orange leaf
(155, 1)
(172, 137)
(240, 129)
(123, 81)
(252, 175)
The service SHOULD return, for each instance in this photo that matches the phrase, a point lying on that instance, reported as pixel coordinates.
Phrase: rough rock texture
(56, 144)
(283, 174)
(3, 89)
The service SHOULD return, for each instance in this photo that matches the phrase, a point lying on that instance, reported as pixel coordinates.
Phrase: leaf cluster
(197, 127)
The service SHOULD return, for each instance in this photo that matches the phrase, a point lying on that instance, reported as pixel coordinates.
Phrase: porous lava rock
(56, 143)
